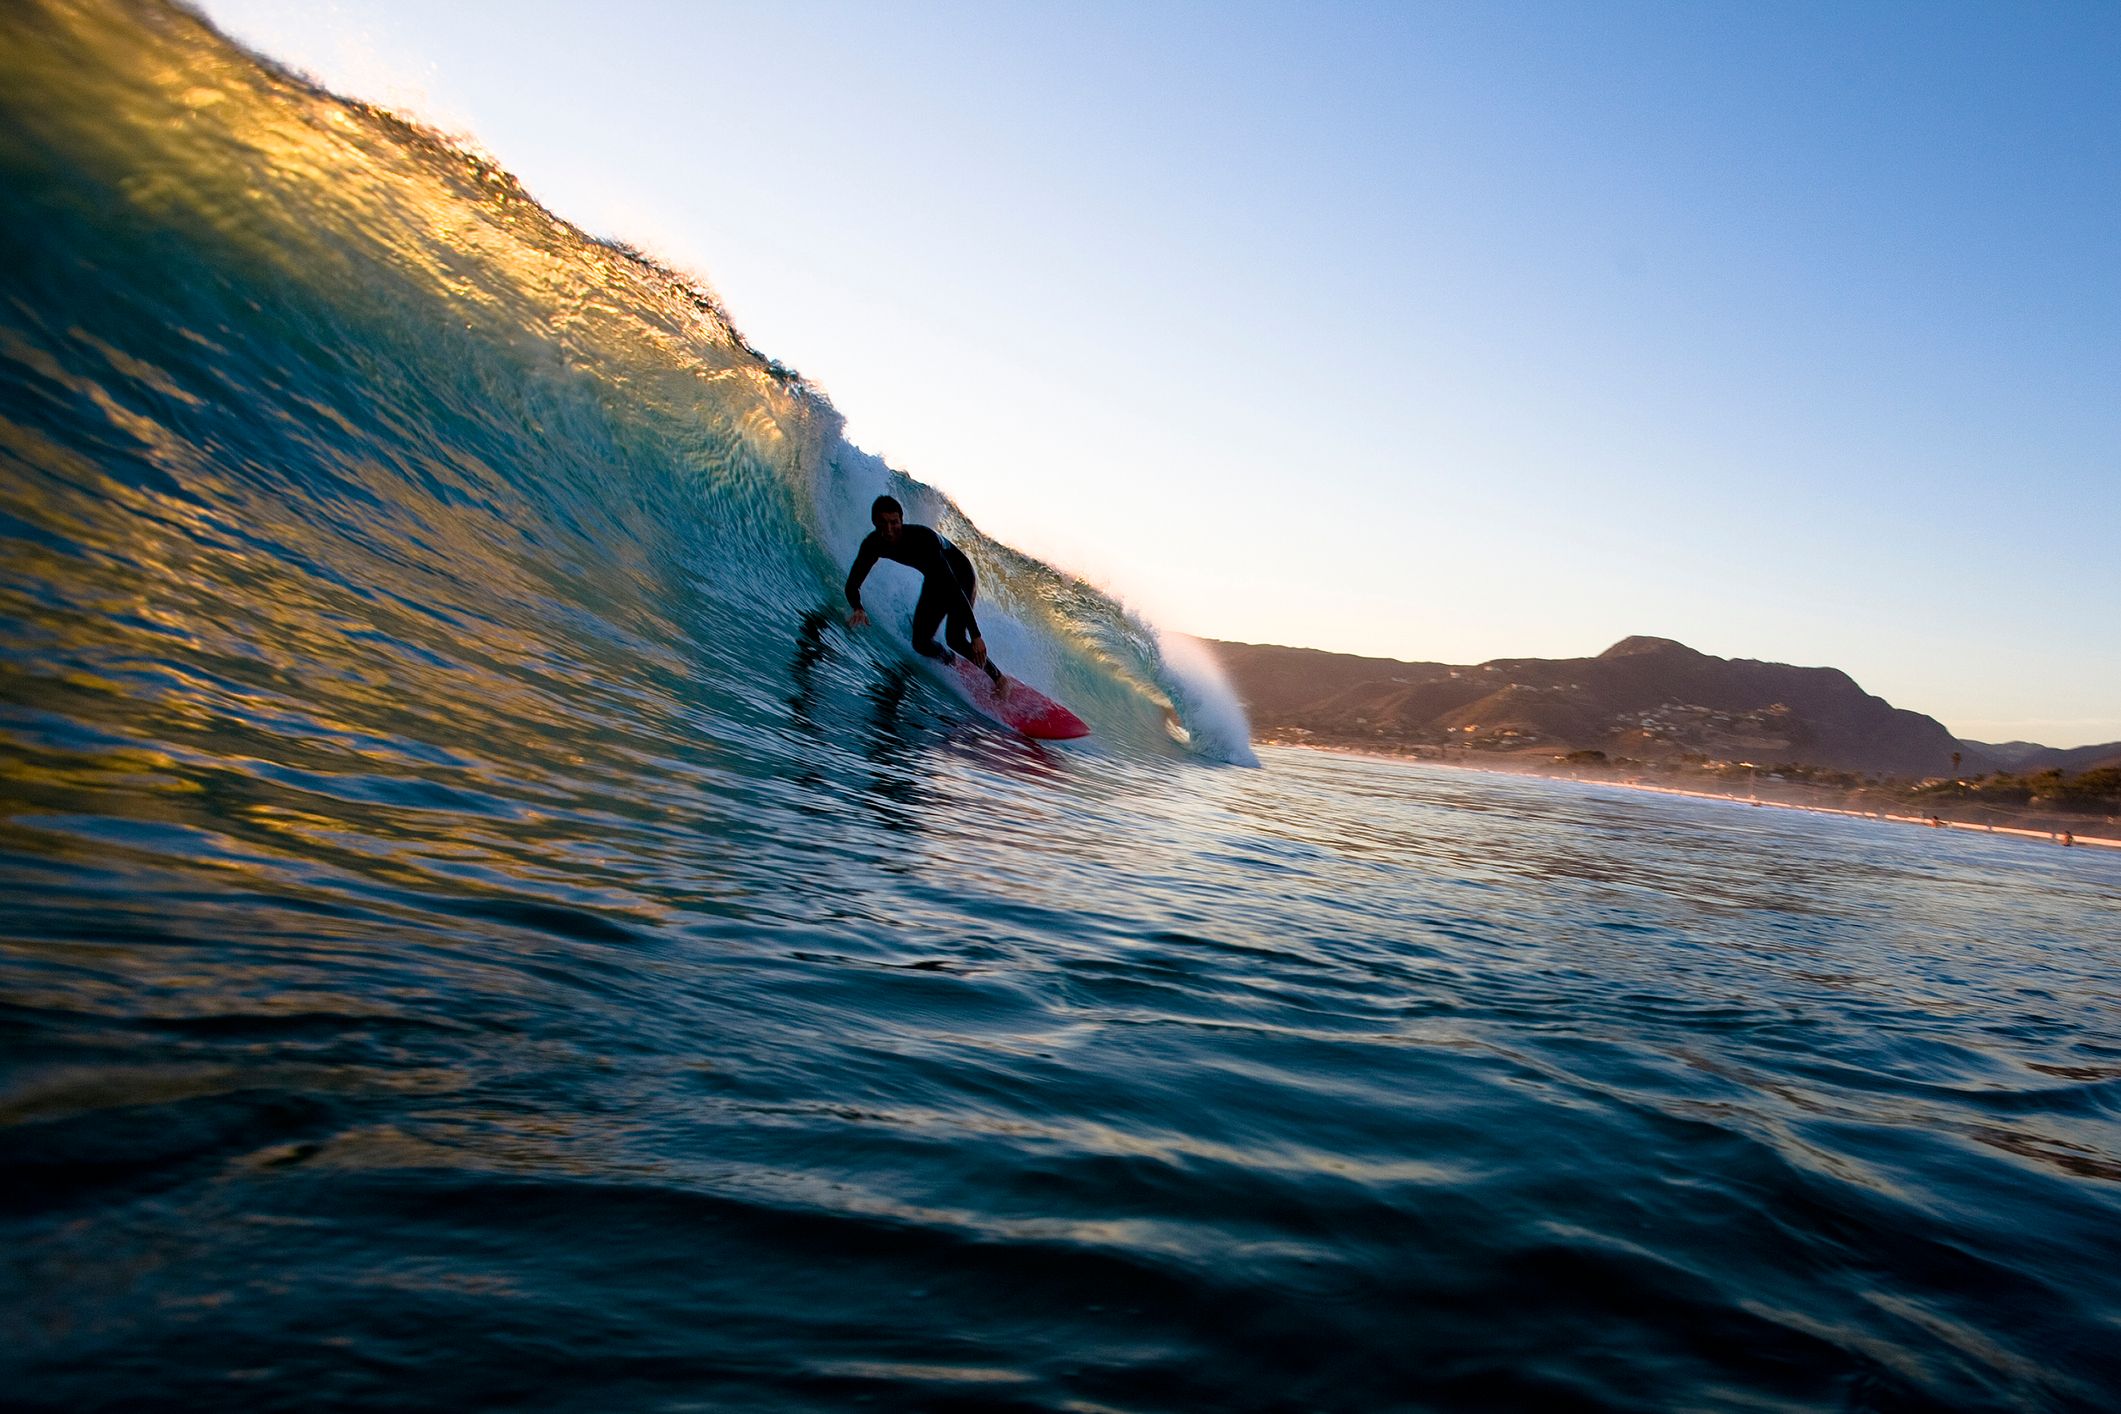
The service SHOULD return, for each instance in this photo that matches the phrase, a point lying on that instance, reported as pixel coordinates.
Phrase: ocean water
(476, 929)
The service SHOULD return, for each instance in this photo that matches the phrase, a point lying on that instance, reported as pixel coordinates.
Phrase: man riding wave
(947, 587)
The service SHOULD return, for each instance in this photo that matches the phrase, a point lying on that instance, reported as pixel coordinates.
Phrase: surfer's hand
(858, 619)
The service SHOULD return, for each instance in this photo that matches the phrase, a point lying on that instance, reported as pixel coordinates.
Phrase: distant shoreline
(1931, 821)
(2054, 836)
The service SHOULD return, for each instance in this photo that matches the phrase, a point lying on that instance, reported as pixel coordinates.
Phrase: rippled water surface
(990, 1078)
(476, 929)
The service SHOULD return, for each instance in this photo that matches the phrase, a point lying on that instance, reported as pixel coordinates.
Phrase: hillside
(1645, 699)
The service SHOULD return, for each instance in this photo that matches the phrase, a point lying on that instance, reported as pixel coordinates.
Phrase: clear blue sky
(1432, 331)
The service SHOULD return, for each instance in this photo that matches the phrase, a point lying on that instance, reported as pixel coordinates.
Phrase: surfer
(947, 587)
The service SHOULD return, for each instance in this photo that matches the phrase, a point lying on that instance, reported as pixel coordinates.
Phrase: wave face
(476, 930)
(372, 426)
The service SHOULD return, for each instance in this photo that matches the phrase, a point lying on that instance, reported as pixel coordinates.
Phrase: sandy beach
(2059, 836)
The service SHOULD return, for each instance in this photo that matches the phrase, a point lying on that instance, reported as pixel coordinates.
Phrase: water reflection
(810, 650)
(895, 786)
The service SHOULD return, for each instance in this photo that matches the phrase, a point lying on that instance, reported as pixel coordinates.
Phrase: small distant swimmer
(947, 587)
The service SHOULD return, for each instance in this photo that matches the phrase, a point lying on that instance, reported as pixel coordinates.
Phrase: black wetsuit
(947, 588)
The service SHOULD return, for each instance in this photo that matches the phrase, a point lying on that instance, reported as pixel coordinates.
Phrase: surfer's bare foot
(1001, 687)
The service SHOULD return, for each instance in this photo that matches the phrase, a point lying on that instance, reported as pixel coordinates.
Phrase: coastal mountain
(1648, 699)
(2025, 757)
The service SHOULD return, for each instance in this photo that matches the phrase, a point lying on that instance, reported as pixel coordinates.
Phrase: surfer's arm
(864, 562)
(943, 574)
(939, 575)
(964, 606)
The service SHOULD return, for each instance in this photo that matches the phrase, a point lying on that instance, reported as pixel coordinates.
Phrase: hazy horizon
(1427, 334)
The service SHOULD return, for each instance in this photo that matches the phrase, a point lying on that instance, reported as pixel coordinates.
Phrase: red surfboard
(1025, 708)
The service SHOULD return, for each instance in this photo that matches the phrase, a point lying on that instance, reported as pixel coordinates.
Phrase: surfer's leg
(957, 632)
(960, 636)
(927, 613)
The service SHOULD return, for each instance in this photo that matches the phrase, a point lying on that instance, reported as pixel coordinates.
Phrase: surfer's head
(887, 515)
